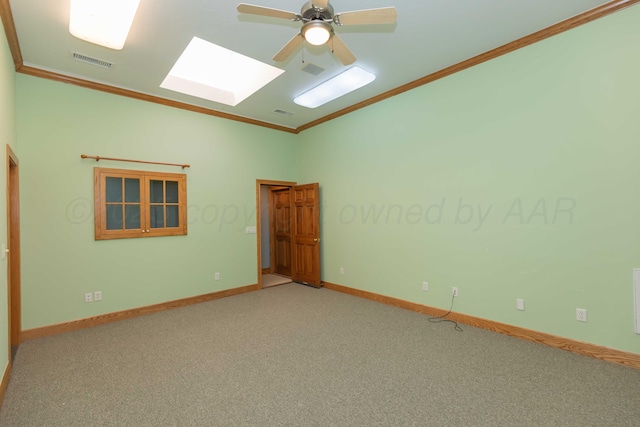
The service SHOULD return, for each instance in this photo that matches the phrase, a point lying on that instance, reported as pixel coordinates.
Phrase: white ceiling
(429, 35)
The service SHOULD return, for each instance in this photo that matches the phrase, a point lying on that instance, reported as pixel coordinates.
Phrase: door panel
(306, 234)
(281, 256)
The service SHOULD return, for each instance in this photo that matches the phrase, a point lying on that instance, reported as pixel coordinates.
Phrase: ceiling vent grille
(312, 69)
(93, 61)
(284, 113)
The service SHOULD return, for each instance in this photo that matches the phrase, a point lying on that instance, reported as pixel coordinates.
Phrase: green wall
(61, 261)
(513, 179)
(7, 136)
(517, 178)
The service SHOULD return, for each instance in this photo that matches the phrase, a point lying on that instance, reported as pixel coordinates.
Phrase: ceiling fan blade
(383, 15)
(342, 51)
(320, 4)
(267, 11)
(288, 48)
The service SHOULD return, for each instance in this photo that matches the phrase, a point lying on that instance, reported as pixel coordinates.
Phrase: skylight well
(212, 72)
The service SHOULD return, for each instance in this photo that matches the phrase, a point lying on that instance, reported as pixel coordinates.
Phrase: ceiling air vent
(284, 113)
(93, 61)
(312, 69)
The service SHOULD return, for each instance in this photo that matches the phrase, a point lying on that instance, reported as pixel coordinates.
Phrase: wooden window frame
(100, 205)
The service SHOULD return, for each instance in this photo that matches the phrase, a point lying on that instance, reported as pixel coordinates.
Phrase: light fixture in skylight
(103, 22)
(221, 75)
(345, 82)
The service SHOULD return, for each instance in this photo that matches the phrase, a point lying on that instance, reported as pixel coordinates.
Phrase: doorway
(288, 233)
(12, 251)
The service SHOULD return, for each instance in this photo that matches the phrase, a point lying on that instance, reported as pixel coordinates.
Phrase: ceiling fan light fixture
(316, 33)
(103, 22)
(345, 82)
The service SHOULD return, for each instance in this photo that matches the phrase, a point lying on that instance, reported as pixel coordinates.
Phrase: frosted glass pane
(172, 216)
(172, 192)
(157, 216)
(114, 189)
(114, 217)
(132, 190)
(156, 191)
(132, 216)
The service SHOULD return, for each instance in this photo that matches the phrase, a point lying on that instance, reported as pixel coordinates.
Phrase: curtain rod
(98, 158)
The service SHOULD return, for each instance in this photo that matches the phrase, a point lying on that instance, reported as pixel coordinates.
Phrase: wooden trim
(10, 31)
(269, 182)
(560, 27)
(596, 351)
(266, 270)
(5, 382)
(102, 319)
(36, 72)
(13, 240)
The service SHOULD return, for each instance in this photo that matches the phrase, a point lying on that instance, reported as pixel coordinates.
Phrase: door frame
(267, 182)
(13, 246)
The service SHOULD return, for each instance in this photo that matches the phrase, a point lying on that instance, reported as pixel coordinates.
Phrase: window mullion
(144, 203)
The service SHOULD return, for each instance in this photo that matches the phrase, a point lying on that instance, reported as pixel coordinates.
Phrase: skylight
(211, 72)
(345, 82)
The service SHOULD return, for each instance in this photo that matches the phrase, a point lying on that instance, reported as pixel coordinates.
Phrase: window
(132, 204)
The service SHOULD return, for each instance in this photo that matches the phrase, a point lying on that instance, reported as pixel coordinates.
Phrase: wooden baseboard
(5, 382)
(266, 270)
(88, 322)
(599, 352)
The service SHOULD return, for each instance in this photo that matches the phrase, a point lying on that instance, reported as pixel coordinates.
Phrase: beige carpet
(269, 280)
(303, 357)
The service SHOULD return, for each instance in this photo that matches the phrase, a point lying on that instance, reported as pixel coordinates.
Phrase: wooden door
(306, 235)
(281, 223)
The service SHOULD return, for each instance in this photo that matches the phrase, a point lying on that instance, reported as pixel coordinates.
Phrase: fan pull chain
(303, 54)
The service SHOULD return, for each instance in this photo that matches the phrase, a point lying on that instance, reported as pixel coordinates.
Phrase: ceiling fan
(318, 18)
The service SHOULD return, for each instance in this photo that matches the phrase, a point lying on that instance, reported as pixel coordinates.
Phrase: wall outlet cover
(581, 314)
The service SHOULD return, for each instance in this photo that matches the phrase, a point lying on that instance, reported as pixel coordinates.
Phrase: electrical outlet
(88, 297)
(520, 304)
(217, 276)
(97, 296)
(425, 286)
(581, 314)
(455, 292)
(341, 270)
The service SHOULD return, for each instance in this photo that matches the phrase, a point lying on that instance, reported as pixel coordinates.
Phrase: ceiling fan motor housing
(309, 12)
